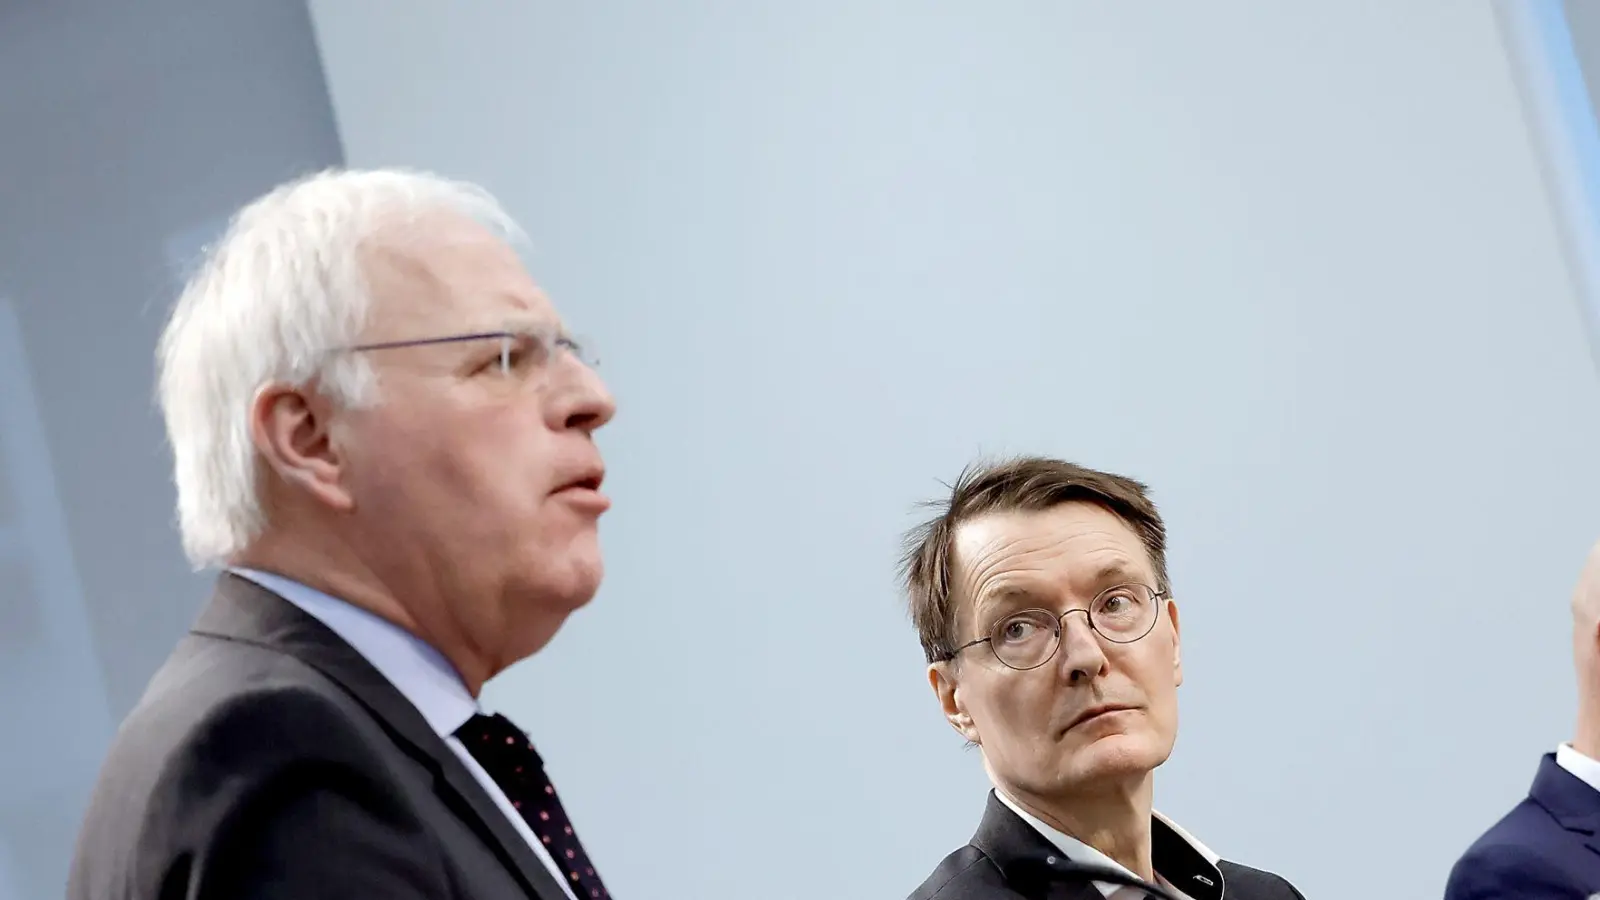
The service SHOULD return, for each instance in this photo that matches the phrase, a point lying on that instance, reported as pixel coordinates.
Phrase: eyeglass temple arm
(423, 342)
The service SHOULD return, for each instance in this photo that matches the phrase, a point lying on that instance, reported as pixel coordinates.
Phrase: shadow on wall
(49, 674)
(8, 885)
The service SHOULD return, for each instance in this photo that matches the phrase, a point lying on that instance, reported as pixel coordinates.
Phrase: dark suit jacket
(268, 759)
(1547, 847)
(1008, 859)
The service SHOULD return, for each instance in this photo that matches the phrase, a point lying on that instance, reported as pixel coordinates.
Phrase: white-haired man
(384, 435)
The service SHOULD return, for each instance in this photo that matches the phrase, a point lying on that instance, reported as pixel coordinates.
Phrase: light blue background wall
(1293, 265)
(126, 131)
(1290, 263)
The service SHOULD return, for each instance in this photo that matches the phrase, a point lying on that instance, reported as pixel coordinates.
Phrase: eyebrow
(1116, 572)
(516, 324)
(1005, 599)
(510, 328)
(521, 300)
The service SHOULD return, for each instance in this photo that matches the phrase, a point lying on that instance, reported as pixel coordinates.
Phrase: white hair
(274, 298)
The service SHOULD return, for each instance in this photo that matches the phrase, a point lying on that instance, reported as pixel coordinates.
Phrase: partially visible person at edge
(1548, 846)
(1041, 598)
(383, 435)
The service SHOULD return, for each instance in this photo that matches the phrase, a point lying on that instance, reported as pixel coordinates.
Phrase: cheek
(438, 479)
(1153, 666)
(511, 450)
(419, 470)
(380, 459)
(1157, 681)
(474, 461)
(1017, 704)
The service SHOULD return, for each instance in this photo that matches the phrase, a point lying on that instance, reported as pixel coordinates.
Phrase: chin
(561, 575)
(1117, 756)
(578, 580)
(543, 605)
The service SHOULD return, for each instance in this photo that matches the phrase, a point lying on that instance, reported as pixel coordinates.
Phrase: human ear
(1177, 645)
(290, 429)
(946, 686)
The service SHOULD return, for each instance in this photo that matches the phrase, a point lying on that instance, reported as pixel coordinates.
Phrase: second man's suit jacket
(1546, 848)
(1008, 859)
(269, 759)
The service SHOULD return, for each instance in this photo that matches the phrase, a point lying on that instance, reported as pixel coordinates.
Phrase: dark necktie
(508, 756)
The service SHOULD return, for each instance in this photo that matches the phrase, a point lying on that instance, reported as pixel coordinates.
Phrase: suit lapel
(1570, 801)
(1024, 857)
(467, 798)
(1071, 890)
(242, 610)
(1035, 867)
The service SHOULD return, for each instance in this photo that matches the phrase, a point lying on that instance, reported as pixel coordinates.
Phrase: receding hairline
(929, 563)
(1108, 574)
(405, 251)
(401, 231)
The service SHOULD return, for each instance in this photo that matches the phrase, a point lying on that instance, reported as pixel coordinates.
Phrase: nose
(586, 404)
(1083, 658)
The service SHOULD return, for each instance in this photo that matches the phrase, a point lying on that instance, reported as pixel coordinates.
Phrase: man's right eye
(512, 356)
(513, 359)
(1017, 630)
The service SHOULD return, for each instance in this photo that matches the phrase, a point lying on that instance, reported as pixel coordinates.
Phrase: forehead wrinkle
(525, 302)
(514, 323)
(995, 558)
(444, 274)
(1007, 558)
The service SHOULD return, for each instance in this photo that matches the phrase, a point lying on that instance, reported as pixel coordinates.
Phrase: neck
(1586, 734)
(1586, 737)
(330, 566)
(1114, 820)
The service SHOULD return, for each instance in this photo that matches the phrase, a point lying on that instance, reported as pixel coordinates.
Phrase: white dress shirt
(1079, 852)
(1584, 768)
(417, 671)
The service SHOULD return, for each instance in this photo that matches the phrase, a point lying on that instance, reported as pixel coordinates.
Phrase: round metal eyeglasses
(1027, 639)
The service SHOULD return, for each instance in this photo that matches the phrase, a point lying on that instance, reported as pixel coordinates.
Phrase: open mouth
(584, 492)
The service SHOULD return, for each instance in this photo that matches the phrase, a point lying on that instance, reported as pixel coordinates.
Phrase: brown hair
(1028, 483)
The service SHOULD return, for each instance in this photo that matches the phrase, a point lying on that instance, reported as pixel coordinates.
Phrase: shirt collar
(1181, 862)
(1584, 768)
(414, 667)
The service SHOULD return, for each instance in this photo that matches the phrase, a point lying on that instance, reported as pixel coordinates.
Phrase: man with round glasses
(1041, 598)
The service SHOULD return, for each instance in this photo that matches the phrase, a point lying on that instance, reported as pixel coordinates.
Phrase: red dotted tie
(509, 758)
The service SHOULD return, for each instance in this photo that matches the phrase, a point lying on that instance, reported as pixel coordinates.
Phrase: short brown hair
(1030, 484)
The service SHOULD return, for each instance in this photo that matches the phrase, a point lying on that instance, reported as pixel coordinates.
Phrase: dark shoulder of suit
(1007, 858)
(267, 759)
(1547, 847)
(1245, 883)
(966, 874)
